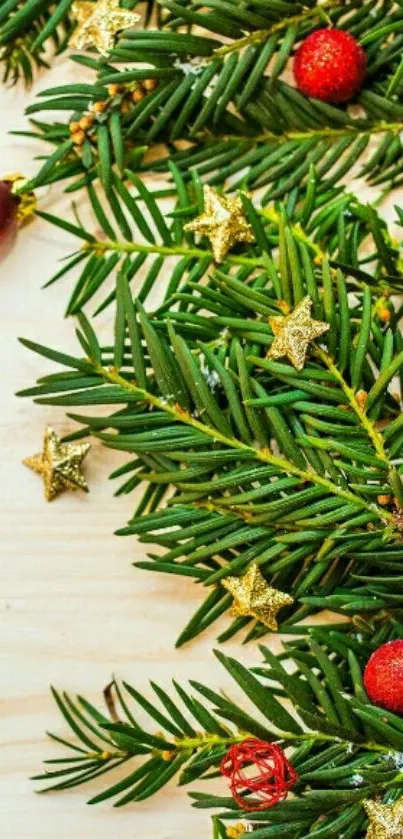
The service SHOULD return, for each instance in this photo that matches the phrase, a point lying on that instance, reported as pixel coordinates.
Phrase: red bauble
(383, 677)
(254, 766)
(8, 211)
(330, 65)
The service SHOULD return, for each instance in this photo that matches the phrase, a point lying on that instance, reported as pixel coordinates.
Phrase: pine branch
(319, 13)
(343, 748)
(269, 138)
(353, 234)
(28, 32)
(202, 91)
(298, 472)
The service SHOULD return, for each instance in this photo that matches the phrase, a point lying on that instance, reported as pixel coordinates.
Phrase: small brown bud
(384, 314)
(86, 122)
(138, 94)
(98, 107)
(74, 126)
(113, 89)
(167, 756)
(361, 398)
(384, 500)
(150, 84)
(78, 137)
(125, 107)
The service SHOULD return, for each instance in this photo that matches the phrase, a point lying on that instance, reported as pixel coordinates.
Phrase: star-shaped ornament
(385, 820)
(223, 221)
(98, 23)
(255, 598)
(59, 464)
(293, 333)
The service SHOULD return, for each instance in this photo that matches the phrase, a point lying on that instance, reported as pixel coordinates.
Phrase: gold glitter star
(223, 221)
(253, 597)
(293, 333)
(98, 23)
(59, 464)
(385, 820)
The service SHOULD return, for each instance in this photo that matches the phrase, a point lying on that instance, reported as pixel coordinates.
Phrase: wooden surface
(72, 608)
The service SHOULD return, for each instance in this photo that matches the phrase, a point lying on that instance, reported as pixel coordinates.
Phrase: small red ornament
(254, 766)
(15, 209)
(383, 677)
(8, 211)
(330, 65)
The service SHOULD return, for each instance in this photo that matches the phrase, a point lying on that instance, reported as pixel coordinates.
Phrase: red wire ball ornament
(260, 768)
(330, 65)
(383, 677)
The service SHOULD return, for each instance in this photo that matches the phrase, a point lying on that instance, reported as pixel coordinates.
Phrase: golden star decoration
(385, 820)
(223, 221)
(255, 598)
(59, 464)
(98, 23)
(293, 333)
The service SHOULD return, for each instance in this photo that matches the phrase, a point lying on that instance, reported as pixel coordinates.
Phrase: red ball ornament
(16, 208)
(330, 65)
(260, 768)
(383, 677)
(8, 212)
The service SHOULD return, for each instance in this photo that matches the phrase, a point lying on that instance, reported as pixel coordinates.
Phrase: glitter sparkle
(255, 598)
(98, 23)
(59, 464)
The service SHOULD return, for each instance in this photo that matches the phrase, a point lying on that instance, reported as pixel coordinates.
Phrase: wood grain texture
(72, 608)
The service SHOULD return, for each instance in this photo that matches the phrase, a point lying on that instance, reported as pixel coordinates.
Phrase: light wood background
(73, 610)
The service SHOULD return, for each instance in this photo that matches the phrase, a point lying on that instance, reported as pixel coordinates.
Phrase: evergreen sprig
(299, 472)
(343, 748)
(214, 91)
(242, 129)
(139, 239)
(29, 31)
